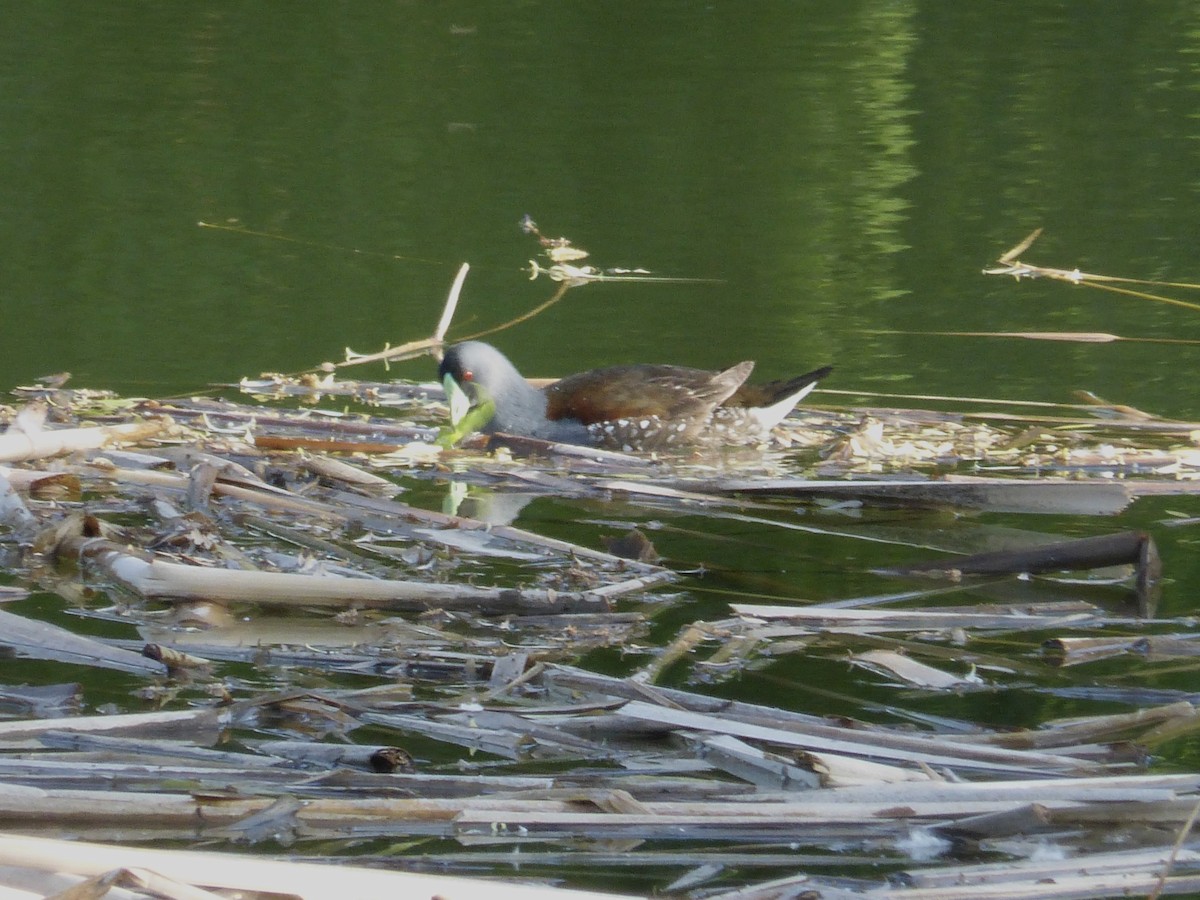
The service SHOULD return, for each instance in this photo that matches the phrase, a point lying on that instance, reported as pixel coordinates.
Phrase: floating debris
(340, 658)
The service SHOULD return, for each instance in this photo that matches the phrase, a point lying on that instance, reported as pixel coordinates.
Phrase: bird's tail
(773, 392)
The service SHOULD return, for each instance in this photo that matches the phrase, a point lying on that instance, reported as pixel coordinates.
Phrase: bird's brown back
(622, 392)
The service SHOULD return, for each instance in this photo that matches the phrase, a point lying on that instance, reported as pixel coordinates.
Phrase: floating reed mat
(311, 663)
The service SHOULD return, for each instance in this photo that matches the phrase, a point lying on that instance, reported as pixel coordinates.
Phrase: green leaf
(476, 419)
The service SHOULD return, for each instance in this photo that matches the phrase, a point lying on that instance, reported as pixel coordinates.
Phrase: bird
(626, 407)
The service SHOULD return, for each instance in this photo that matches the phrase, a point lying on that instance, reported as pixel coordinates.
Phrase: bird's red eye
(468, 375)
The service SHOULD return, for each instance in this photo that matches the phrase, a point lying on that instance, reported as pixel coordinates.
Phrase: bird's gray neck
(522, 410)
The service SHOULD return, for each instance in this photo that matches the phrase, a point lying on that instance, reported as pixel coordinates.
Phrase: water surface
(839, 173)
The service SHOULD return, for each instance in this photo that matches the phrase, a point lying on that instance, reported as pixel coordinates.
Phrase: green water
(839, 171)
(843, 168)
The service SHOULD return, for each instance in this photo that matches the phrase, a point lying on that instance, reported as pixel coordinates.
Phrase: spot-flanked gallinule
(636, 407)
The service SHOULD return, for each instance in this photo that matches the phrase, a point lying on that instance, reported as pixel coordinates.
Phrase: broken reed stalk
(889, 746)
(430, 345)
(909, 670)
(1129, 548)
(941, 398)
(158, 578)
(1055, 496)
(587, 813)
(32, 638)
(508, 532)
(1125, 548)
(1009, 264)
(537, 310)
(238, 873)
(1184, 830)
(1089, 730)
(356, 506)
(842, 619)
(683, 644)
(345, 473)
(433, 345)
(443, 325)
(1075, 337)
(16, 445)
(1104, 283)
(672, 708)
(202, 725)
